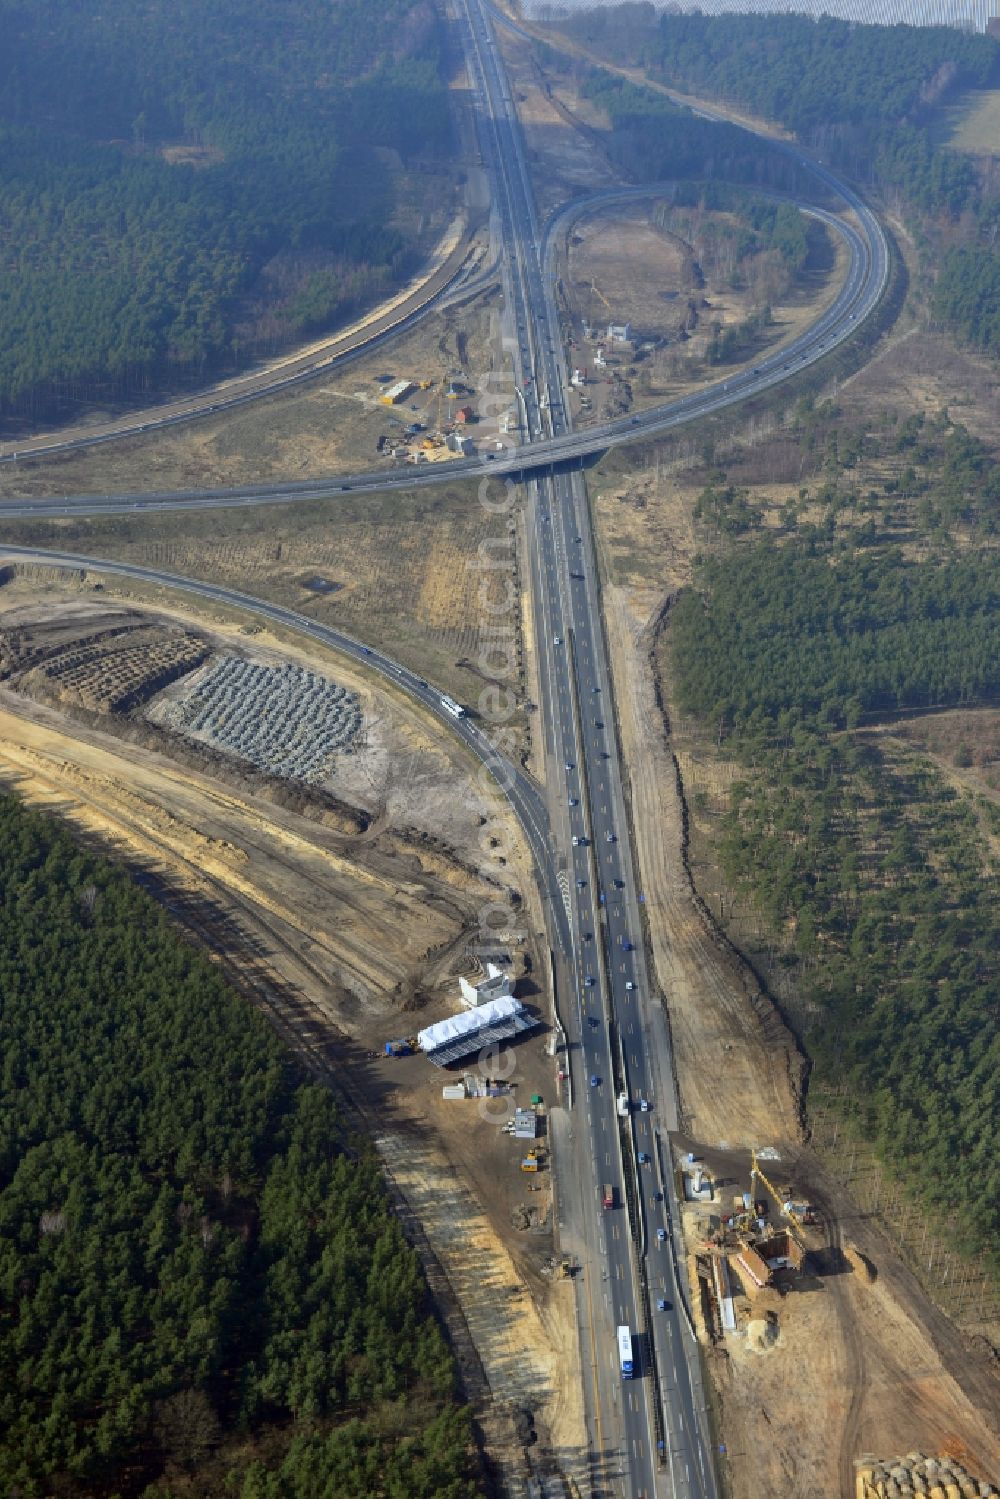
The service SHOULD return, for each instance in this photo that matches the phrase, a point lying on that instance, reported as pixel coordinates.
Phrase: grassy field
(328, 426)
(395, 570)
(974, 125)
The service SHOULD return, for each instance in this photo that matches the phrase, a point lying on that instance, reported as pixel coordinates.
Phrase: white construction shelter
(458, 1035)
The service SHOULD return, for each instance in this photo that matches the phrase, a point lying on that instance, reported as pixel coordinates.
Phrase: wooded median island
(188, 184)
(202, 1290)
(871, 101)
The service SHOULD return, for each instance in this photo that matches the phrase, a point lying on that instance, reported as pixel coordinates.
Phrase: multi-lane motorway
(648, 1435)
(863, 287)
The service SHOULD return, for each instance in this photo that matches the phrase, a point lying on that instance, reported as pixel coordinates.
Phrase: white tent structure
(498, 1020)
(496, 985)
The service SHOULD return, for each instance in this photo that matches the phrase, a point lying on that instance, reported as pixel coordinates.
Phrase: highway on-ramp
(859, 295)
(647, 1434)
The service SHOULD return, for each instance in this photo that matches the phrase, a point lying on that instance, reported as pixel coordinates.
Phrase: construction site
(432, 421)
(936, 1477)
(743, 1243)
(340, 886)
(342, 895)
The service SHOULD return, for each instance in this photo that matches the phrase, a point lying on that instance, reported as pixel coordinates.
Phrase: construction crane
(446, 392)
(595, 291)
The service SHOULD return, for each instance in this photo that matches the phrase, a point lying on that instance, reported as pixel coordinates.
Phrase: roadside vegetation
(201, 1289)
(858, 875)
(190, 183)
(652, 139)
(867, 99)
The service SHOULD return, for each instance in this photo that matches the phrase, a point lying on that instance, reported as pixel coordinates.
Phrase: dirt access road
(346, 938)
(857, 1366)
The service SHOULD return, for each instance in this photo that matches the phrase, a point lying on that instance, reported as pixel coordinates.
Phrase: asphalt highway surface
(863, 287)
(648, 1434)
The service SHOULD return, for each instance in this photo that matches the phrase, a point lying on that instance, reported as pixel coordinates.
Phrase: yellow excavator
(794, 1213)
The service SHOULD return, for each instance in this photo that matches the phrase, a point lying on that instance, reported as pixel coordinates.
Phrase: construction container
(396, 393)
(453, 1090)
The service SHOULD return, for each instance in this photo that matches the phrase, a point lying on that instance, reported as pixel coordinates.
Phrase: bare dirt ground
(378, 927)
(462, 1175)
(400, 572)
(332, 425)
(352, 932)
(721, 1025)
(858, 1366)
(626, 265)
(868, 1377)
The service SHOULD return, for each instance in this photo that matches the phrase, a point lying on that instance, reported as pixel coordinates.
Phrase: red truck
(607, 1196)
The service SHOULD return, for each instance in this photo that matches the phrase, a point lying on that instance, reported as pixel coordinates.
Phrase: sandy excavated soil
(722, 1027)
(369, 931)
(527, 1348)
(857, 1367)
(866, 1379)
(339, 934)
